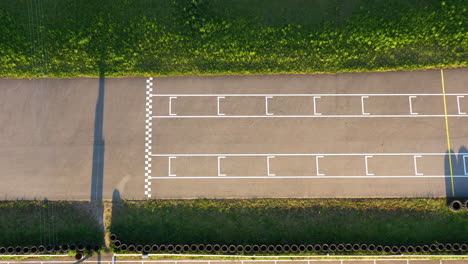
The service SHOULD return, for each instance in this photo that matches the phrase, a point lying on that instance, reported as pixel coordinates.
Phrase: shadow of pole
(116, 204)
(456, 182)
(98, 146)
(97, 174)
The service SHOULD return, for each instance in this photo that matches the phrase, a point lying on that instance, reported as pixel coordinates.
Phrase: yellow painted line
(449, 146)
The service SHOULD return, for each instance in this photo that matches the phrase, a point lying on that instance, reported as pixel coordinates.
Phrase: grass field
(160, 37)
(280, 221)
(26, 223)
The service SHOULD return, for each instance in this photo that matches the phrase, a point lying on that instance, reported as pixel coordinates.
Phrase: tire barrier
(232, 248)
(455, 206)
(79, 247)
(178, 248)
(209, 247)
(248, 248)
(41, 249)
(448, 247)
(240, 248)
(340, 247)
(356, 247)
(294, 248)
(216, 247)
(348, 247)
(131, 248)
(302, 248)
(271, 249)
(318, 248)
(279, 248)
(440, 247)
(139, 248)
(155, 248)
(464, 247)
(78, 255)
(224, 248)
(255, 248)
(418, 249)
(402, 249)
(465, 204)
(18, 250)
(201, 247)
(146, 248)
(387, 249)
(170, 248)
(162, 248)
(425, 248)
(185, 248)
(113, 237)
(117, 243)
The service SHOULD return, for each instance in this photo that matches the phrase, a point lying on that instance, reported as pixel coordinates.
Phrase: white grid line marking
(459, 107)
(292, 95)
(315, 105)
(310, 177)
(304, 154)
(416, 165)
(317, 115)
(367, 164)
(362, 105)
(410, 99)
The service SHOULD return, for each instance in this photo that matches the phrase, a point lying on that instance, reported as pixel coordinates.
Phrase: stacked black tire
(458, 205)
(48, 249)
(286, 249)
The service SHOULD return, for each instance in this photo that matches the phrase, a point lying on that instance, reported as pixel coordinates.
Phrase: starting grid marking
(318, 175)
(315, 98)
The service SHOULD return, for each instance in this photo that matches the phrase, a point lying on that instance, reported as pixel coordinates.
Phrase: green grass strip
(71, 38)
(283, 221)
(34, 223)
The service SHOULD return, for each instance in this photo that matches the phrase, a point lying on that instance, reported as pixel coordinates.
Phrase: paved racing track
(397, 134)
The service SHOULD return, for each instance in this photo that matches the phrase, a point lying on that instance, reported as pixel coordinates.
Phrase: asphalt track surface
(296, 136)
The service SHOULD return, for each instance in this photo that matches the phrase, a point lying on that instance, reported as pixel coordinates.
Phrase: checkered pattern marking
(148, 135)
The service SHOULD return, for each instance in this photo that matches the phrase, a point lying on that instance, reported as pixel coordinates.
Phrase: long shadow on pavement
(456, 187)
(97, 175)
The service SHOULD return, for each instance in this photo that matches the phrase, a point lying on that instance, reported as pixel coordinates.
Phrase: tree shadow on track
(456, 187)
